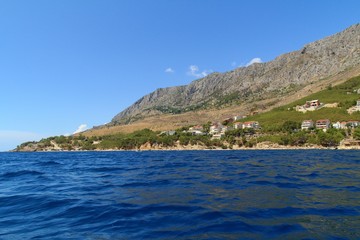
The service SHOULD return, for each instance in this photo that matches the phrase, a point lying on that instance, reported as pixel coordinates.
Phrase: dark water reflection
(180, 195)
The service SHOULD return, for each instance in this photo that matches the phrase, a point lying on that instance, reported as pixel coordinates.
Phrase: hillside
(344, 95)
(263, 83)
(280, 128)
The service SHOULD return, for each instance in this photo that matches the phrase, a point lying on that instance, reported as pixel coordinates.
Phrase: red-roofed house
(323, 124)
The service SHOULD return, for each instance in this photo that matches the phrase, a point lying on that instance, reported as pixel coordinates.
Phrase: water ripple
(180, 195)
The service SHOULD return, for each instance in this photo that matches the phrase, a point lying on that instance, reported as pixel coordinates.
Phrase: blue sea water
(295, 194)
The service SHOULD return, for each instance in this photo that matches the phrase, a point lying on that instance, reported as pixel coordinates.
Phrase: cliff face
(315, 61)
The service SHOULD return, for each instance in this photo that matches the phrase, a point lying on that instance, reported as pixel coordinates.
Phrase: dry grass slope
(175, 121)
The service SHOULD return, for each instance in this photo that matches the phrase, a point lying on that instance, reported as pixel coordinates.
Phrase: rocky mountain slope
(283, 76)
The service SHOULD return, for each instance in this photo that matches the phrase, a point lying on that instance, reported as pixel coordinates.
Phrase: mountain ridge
(284, 75)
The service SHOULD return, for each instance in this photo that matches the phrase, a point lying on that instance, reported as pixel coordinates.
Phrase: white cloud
(195, 72)
(81, 128)
(254, 60)
(10, 139)
(233, 64)
(169, 70)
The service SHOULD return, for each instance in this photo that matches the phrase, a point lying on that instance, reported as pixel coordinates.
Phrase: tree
(356, 134)
(206, 127)
(291, 126)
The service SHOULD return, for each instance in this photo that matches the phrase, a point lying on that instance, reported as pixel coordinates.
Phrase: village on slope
(218, 130)
(238, 132)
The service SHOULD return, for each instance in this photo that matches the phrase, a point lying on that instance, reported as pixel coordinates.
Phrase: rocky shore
(178, 147)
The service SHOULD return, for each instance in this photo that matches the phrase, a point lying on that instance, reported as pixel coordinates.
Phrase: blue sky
(66, 64)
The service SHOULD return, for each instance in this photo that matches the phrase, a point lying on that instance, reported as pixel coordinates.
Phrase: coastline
(198, 148)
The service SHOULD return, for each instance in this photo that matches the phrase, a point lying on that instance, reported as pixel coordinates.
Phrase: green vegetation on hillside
(280, 126)
(342, 94)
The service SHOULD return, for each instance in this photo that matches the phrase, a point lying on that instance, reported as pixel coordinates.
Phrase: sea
(243, 194)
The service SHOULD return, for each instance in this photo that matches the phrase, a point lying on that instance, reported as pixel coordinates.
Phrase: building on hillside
(236, 118)
(343, 125)
(346, 125)
(226, 128)
(355, 108)
(217, 136)
(307, 124)
(323, 124)
(215, 128)
(196, 132)
(238, 125)
(196, 128)
(352, 124)
(309, 106)
(337, 125)
(251, 124)
(168, 133)
(312, 103)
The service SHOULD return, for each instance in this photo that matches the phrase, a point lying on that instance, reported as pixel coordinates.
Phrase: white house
(307, 124)
(238, 117)
(238, 125)
(215, 128)
(196, 132)
(337, 125)
(197, 127)
(355, 108)
(226, 128)
(168, 133)
(217, 136)
(251, 124)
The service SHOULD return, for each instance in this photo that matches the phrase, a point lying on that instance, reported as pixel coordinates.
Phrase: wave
(181, 195)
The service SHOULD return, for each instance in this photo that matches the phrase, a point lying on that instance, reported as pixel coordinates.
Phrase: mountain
(280, 128)
(307, 68)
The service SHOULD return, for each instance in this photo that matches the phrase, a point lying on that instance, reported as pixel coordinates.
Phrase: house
(337, 125)
(323, 124)
(343, 125)
(346, 125)
(238, 117)
(217, 136)
(355, 108)
(312, 103)
(168, 133)
(196, 132)
(226, 128)
(196, 128)
(309, 106)
(215, 128)
(251, 124)
(238, 125)
(352, 124)
(307, 124)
